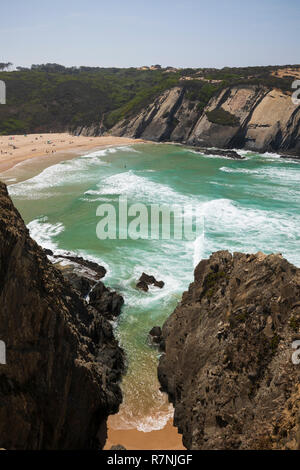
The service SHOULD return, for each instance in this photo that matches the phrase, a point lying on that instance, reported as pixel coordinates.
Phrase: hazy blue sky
(186, 33)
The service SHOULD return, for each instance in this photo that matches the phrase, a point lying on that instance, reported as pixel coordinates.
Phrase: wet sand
(132, 439)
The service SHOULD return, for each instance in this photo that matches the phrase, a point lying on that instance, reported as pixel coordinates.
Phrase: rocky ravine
(61, 379)
(227, 365)
(261, 120)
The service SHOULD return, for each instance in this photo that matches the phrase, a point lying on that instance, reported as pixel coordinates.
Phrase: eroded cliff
(243, 116)
(227, 365)
(63, 365)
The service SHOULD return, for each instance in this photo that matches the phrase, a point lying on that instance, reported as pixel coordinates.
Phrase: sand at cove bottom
(132, 439)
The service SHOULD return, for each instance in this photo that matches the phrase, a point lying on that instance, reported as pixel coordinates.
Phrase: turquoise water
(249, 205)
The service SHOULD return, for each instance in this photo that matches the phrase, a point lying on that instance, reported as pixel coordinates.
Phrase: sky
(132, 33)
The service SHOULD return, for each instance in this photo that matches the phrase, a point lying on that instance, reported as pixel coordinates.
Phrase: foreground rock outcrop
(228, 365)
(63, 364)
(253, 117)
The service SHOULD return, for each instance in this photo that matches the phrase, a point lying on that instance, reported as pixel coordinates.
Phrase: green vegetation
(64, 98)
(53, 97)
(222, 117)
(211, 282)
(200, 92)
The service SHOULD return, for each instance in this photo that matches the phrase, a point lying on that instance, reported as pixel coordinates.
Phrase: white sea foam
(235, 227)
(132, 185)
(61, 174)
(154, 422)
(199, 249)
(280, 174)
(44, 233)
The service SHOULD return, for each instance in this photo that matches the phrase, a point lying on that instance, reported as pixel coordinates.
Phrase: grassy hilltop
(52, 97)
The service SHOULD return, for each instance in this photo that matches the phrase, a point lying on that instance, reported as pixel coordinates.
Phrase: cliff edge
(227, 365)
(252, 117)
(63, 365)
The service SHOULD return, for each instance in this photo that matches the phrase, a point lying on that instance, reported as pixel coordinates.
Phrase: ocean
(248, 205)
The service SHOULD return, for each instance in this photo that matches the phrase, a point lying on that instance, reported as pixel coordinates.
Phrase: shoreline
(18, 149)
(166, 438)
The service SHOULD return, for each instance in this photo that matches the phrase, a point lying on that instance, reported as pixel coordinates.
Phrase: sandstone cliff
(227, 365)
(262, 119)
(63, 367)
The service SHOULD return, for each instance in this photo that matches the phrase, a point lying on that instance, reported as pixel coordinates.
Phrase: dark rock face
(228, 363)
(81, 283)
(156, 338)
(266, 120)
(108, 302)
(146, 280)
(61, 379)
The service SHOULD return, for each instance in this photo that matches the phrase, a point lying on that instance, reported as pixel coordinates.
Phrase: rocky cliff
(243, 116)
(227, 365)
(63, 365)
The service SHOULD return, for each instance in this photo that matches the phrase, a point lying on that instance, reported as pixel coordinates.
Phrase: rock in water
(156, 339)
(146, 280)
(228, 365)
(63, 365)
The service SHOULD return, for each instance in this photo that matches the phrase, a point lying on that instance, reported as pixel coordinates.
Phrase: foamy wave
(129, 184)
(282, 174)
(199, 249)
(155, 422)
(149, 423)
(44, 233)
(63, 173)
(231, 226)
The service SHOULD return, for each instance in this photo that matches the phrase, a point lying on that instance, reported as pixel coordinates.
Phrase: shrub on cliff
(222, 117)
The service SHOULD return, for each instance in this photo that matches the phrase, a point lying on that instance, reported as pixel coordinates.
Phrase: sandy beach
(132, 439)
(19, 148)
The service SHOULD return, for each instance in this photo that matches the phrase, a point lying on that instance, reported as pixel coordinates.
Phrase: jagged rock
(155, 335)
(228, 363)
(61, 380)
(155, 331)
(117, 447)
(156, 339)
(108, 302)
(222, 153)
(97, 270)
(146, 280)
(81, 283)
